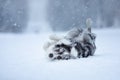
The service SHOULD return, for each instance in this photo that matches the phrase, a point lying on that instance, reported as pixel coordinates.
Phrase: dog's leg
(79, 49)
(86, 53)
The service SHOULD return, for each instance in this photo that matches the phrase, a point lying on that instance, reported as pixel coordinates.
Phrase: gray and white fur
(77, 39)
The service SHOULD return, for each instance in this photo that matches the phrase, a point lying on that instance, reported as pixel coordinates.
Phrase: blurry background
(13, 15)
(22, 56)
(19, 16)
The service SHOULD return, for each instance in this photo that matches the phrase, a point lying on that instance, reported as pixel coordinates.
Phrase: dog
(76, 43)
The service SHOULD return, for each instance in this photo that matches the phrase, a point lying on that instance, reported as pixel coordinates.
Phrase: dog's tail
(88, 24)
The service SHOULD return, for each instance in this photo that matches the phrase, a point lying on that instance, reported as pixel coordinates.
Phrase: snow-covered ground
(23, 58)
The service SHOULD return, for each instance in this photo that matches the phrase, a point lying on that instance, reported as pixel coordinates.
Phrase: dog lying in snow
(77, 43)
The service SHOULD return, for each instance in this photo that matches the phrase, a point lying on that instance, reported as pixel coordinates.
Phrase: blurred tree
(13, 15)
(66, 14)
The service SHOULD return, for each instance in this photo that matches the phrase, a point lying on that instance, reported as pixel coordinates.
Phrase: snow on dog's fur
(77, 43)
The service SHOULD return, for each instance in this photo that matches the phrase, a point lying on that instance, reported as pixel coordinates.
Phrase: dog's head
(60, 50)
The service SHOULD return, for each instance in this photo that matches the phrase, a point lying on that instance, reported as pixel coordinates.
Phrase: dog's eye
(57, 45)
(57, 50)
(60, 53)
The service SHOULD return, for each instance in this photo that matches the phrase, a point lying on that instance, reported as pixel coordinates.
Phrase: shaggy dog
(75, 44)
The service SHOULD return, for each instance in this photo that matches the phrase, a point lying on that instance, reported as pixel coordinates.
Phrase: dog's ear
(55, 37)
(88, 24)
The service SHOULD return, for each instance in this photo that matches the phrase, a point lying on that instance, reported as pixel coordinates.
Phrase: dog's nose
(51, 55)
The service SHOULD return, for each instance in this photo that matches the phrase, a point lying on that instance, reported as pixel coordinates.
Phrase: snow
(23, 58)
